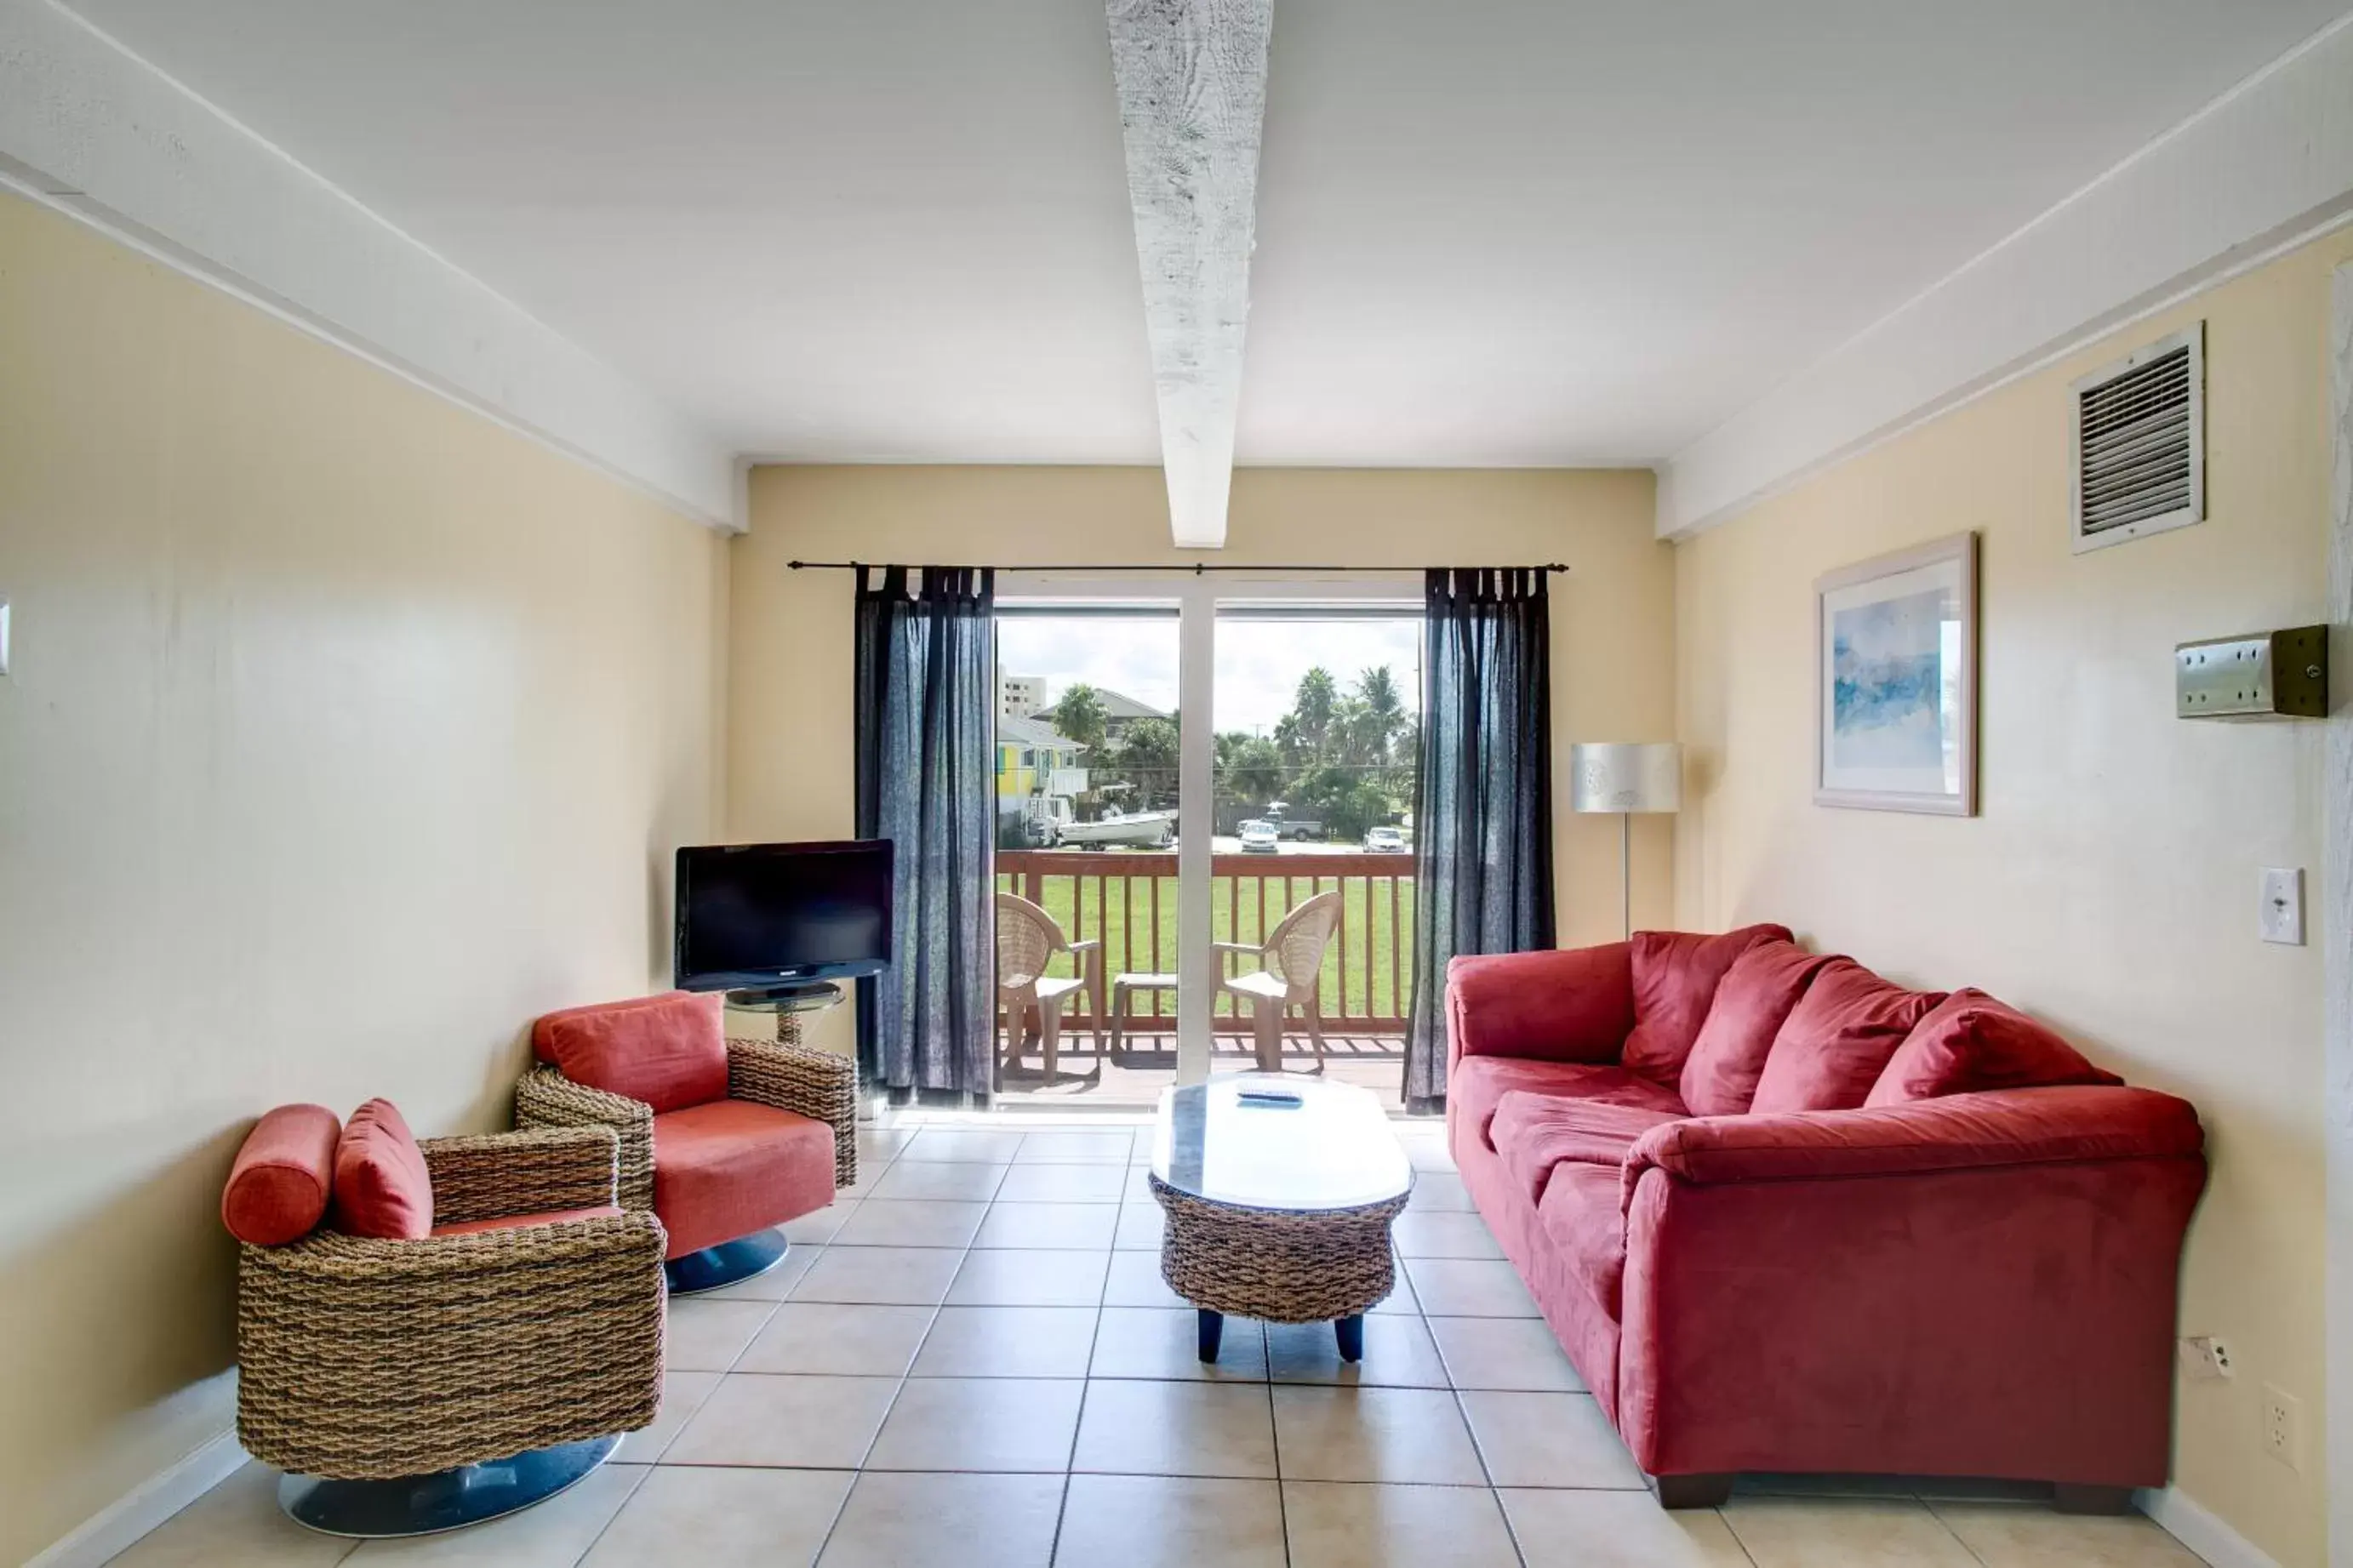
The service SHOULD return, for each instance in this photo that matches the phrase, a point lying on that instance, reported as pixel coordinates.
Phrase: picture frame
(1895, 680)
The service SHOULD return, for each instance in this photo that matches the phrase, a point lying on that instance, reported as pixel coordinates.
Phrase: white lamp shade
(1617, 775)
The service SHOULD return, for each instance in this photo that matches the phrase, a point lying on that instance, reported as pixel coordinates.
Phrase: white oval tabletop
(1332, 1150)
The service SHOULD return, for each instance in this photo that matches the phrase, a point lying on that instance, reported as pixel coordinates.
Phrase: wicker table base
(1281, 1266)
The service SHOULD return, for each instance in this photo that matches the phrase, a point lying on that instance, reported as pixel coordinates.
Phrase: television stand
(791, 996)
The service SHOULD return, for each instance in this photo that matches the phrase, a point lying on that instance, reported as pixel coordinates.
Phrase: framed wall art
(1896, 711)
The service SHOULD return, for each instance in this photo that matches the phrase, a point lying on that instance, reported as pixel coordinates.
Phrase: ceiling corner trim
(1191, 76)
(2262, 169)
(92, 131)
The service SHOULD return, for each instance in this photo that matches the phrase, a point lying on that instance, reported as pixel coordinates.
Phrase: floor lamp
(1626, 777)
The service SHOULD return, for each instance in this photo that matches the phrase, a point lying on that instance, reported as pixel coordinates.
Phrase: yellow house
(1034, 758)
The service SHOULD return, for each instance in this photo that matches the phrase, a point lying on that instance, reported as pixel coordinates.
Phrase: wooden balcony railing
(1128, 902)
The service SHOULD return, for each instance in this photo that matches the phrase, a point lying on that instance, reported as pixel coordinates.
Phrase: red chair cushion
(1838, 1040)
(523, 1221)
(1971, 1042)
(278, 1188)
(1758, 993)
(1534, 1133)
(382, 1187)
(1675, 977)
(731, 1167)
(1579, 1211)
(1478, 1085)
(670, 1051)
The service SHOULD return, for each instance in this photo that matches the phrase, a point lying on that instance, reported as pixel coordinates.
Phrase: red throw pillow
(1973, 1042)
(1676, 973)
(1838, 1039)
(382, 1187)
(670, 1051)
(1758, 993)
(278, 1188)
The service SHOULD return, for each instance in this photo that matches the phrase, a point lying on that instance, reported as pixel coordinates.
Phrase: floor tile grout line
(604, 1528)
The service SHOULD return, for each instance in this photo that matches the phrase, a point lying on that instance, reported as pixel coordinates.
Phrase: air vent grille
(2140, 443)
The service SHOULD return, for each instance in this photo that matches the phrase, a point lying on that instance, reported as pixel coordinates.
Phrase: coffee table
(1278, 1213)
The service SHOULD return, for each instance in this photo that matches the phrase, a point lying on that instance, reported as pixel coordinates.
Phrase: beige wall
(2109, 882)
(791, 769)
(346, 731)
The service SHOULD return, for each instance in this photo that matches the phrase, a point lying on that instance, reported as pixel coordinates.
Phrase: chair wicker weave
(371, 1360)
(1290, 974)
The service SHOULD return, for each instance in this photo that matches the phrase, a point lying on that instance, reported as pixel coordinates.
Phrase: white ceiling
(1510, 232)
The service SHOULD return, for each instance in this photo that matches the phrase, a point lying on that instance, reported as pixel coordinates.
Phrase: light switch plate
(2282, 917)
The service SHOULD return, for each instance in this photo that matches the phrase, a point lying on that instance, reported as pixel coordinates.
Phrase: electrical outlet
(2282, 917)
(2206, 1358)
(2282, 1432)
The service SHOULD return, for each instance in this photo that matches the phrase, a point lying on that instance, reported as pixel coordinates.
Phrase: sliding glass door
(1204, 808)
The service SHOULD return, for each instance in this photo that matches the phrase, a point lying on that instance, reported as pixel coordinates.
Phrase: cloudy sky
(1259, 662)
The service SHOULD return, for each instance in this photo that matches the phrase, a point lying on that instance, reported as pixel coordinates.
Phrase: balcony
(1128, 902)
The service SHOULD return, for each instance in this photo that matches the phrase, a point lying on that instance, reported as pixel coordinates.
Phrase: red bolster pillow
(278, 1188)
(382, 1187)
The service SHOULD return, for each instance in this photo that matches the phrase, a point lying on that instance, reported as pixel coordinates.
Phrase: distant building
(1020, 696)
(1034, 758)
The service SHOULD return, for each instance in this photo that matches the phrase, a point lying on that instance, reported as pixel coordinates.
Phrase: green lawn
(1391, 960)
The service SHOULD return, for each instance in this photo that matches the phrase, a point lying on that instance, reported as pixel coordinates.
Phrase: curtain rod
(1197, 568)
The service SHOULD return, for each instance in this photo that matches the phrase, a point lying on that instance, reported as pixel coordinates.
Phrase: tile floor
(970, 1360)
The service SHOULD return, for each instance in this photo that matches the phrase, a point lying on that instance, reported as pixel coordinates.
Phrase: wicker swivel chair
(723, 1139)
(1291, 966)
(467, 1370)
(1028, 938)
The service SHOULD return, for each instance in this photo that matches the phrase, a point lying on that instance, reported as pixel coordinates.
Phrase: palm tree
(1080, 715)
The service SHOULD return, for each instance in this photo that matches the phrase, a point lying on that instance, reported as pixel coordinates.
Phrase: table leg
(1350, 1331)
(1210, 1328)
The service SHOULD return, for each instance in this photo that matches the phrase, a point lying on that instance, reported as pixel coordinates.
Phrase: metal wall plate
(2281, 674)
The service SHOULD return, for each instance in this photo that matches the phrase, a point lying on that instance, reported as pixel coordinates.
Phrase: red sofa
(1784, 1215)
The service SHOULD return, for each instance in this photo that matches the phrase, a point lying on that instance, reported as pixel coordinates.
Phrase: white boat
(1155, 828)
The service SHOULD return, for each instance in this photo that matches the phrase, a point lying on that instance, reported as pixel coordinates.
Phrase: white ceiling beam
(2262, 168)
(92, 130)
(1192, 100)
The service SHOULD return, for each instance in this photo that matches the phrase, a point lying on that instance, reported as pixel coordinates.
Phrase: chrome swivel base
(446, 1500)
(727, 1263)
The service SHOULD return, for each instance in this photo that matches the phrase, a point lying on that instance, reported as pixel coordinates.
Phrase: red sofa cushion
(285, 1172)
(1758, 993)
(1560, 1004)
(382, 1187)
(1675, 976)
(731, 1167)
(1838, 1040)
(1479, 1083)
(670, 1051)
(1580, 1212)
(524, 1221)
(1971, 1042)
(1534, 1133)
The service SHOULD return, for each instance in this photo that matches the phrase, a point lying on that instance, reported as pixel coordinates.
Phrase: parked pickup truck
(1286, 825)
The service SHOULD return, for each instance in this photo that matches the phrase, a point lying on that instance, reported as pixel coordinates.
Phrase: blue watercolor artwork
(1888, 687)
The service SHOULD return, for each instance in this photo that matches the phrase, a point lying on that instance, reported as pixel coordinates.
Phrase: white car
(1384, 841)
(1259, 837)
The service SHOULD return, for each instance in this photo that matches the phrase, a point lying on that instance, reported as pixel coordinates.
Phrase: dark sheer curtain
(926, 673)
(1483, 821)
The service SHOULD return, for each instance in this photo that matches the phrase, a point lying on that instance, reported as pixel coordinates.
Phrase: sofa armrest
(801, 1079)
(1960, 1131)
(1566, 1005)
(1978, 1285)
(540, 1170)
(545, 1097)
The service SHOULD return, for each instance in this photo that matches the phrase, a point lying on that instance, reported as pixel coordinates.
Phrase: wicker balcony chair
(1289, 971)
(1028, 938)
(416, 1386)
(723, 1139)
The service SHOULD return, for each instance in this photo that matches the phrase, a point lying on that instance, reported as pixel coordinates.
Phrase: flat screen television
(765, 915)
